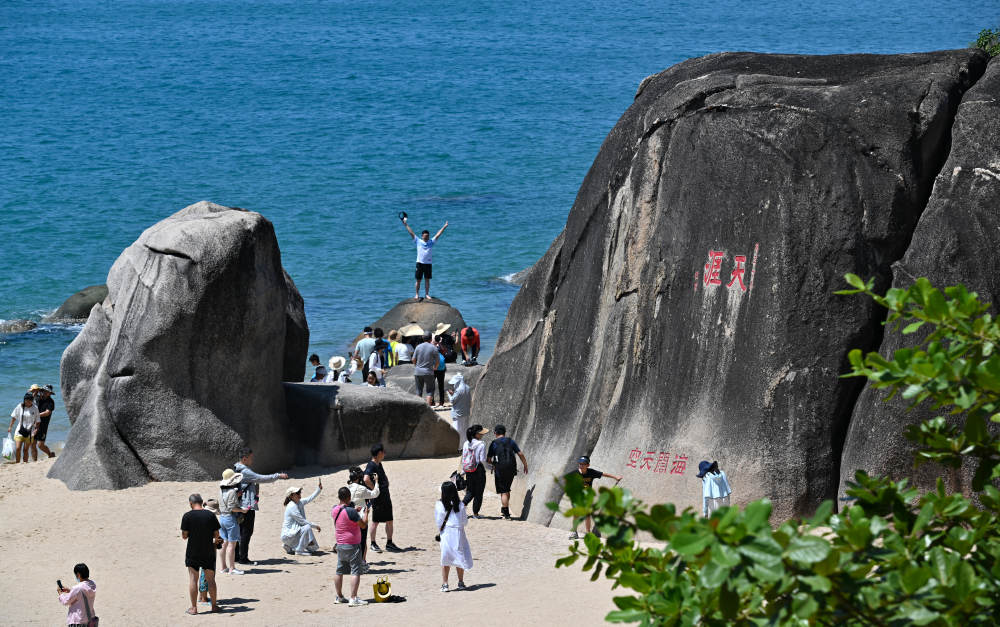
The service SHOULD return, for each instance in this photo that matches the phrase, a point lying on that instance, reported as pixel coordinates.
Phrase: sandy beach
(132, 543)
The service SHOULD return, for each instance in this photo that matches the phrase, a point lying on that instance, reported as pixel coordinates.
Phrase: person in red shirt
(469, 345)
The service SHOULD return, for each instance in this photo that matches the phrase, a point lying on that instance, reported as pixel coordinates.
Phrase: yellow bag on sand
(381, 588)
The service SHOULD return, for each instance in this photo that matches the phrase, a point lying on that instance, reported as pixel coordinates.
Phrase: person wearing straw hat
(447, 342)
(335, 365)
(424, 245)
(296, 531)
(45, 405)
(229, 508)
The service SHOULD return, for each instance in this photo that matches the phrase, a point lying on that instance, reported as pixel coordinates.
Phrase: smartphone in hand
(59, 585)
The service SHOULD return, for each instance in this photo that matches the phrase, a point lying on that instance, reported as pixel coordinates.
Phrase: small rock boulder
(8, 327)
(425, 313)
(337, 424)
(182, 364)
(401, 377)
(78, 306)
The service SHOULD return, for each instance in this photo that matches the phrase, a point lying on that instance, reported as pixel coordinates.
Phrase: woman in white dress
(451, 520)
(296, 531)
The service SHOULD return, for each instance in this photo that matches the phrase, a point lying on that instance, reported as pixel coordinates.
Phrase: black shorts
(43, 429)
(423, 271)
(204, 562)
(503, 479)
(382, 508)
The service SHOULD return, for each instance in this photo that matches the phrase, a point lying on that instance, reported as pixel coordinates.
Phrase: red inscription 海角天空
(737, 274)
(713, 267)
(679, 465)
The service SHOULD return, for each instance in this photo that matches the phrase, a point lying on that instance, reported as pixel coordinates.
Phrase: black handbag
(459, 480)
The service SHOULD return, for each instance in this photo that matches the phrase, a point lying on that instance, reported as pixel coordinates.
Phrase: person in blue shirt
(715, 488)
(424, 245)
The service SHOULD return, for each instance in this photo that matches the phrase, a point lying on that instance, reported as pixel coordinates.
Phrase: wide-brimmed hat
(35, 387)
(295, 489)
(458, 378)
(231, 478)
(337, 362)
(212, 505)
(411, 329)
(48, 388)
(704, 467)
(441, 328)
(482, 431)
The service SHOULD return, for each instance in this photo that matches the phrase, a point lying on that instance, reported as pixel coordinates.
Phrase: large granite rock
(401, 377)
(955, 242)
(426, 313)
(337, 424)
(10, 327)
(181, 365)
(78, 306)
(687, 312)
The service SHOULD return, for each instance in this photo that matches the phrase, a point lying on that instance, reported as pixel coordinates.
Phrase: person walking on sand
(381, 505)
(45, 405)
(715, 488)
(474, 466)
(201, 530)
(25, 414)
(589, 474)
(80, 598)
(451, 519)
(230, 507)
(424, 245)
(346, 521)
(501, 456)
(251, 499)
(426, 358)
(296, 531)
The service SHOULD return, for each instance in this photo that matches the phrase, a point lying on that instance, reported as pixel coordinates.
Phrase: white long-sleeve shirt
(295, 516)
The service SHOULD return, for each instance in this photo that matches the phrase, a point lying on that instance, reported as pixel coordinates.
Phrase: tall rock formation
(687, 312)
(182, 364)
(955, 241)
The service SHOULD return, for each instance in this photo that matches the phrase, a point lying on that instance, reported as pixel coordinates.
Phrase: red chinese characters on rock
(737, 280)
(659, 462)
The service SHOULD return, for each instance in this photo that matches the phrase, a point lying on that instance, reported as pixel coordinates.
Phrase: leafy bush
(893, 557)
(988, 40)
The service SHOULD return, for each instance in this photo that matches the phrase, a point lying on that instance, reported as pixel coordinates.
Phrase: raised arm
(439, 232)
(409, 230)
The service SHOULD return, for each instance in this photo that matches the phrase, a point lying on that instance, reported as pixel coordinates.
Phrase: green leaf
(689, 543)
(854, 281)
(756, 514)
(822, 515)
(712, 575)
(816, 582)
(912, 327)
(632, 579)
(725, 555)
(762, 550)
(808, 549)
(593, 543)
(625, 616)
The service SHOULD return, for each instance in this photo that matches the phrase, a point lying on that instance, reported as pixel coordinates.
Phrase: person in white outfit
(715, 488)
(296, 531)
(360, 495)
(460, 396)
(449, 513)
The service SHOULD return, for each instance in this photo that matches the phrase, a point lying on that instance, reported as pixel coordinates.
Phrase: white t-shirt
(424, 249)
(404, 352)
(375, 365)
(26, 416)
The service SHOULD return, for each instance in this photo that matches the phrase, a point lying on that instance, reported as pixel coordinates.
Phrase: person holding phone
(80, 598)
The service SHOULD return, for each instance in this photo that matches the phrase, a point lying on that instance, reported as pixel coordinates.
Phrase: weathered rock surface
(687, 312)
(401, 377)
(955, 242)
(404, 424)
(17, 326)
(182, 364)
(426, 313)
(78, 306)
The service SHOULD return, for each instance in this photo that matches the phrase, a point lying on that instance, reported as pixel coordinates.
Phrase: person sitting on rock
(320, 368)
(469, 345)
(424, 245)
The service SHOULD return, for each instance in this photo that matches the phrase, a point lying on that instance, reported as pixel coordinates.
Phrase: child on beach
(589, 474)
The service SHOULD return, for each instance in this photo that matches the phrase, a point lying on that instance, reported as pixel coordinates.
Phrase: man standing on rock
(424, 245)
(501, 456)
(425, 362)
(382, 504)
(363, 350)
(251, 496)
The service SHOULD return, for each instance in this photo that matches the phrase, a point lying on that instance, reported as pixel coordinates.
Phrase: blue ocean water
(329, 117)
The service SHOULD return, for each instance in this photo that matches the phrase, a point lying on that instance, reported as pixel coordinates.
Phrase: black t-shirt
(504, 450)
(374, 468)
(589, 476)
(200, 525)
(45, 404)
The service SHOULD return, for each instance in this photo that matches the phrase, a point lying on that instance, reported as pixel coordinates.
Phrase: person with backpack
(250, 487)
(502, 456)
(474, 467)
